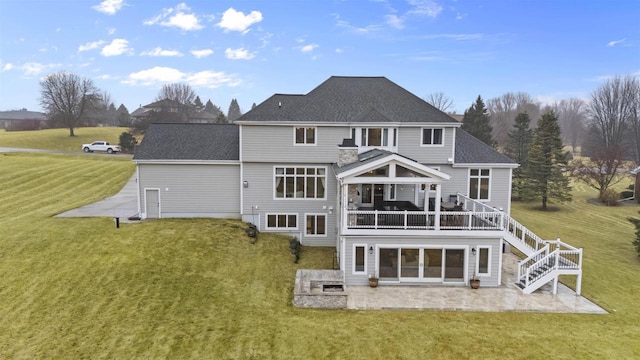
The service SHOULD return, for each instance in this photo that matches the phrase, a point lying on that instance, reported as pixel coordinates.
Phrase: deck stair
(545, 260)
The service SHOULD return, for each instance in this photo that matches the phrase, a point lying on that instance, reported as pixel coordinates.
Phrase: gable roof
(22, 115)
(349, 99)
(164, 103)
(189, 141)
(470, 150)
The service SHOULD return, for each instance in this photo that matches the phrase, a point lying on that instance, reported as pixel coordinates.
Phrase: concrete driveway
(123, 205)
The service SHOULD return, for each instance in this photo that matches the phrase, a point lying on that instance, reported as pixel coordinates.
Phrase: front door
(152, 203)
(378, 194)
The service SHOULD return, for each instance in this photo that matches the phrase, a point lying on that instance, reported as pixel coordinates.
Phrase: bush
(610, 197)
(636, 242)
(127, 142)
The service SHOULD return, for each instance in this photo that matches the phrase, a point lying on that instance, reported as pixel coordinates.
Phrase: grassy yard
(80, 288)
(59, 139)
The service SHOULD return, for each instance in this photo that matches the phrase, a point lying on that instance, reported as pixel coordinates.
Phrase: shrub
(127, 142)
(636, 242)
(610, 197)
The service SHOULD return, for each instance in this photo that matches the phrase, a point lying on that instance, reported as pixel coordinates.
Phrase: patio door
(420, 264)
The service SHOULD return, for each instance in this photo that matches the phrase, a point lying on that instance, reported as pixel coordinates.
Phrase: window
(385, 137)
(479, 183)
(483, 266)
(299, 182)
(432, 137)
(305, 136)
(359, 259)
(367, 194)
(282, 221)
(316, 225)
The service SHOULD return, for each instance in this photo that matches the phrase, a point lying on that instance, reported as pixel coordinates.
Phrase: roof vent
(279, 104)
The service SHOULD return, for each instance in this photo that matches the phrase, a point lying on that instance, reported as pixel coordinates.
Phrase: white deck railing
(423, 220)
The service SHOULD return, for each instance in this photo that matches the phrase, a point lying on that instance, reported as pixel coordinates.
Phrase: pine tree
(209, 107)
(234, 111)
(517, 148)
(253, 106)
(124, 118)
(544, 177)
(198, 103)
(476, 122)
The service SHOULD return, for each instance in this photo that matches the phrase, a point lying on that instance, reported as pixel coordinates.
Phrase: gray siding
(259, 201)
(500, 184)
(410, 138)
(276, 143)
(350, 241)
(193, 190)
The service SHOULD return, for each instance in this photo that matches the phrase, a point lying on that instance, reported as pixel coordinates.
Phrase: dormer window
(432, 137)
(305, 136)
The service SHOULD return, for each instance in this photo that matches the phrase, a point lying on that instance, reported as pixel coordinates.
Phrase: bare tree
(602, 171)
(504, 109)
(439, 100)
(183, 95)
(572, 117)
(68, 98)
(612, 109)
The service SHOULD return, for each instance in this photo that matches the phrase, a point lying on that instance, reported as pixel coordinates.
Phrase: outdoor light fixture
(370, 250)
(473, 251)
(245, 183)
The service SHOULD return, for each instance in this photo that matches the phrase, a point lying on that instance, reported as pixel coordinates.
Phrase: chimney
(347, 152)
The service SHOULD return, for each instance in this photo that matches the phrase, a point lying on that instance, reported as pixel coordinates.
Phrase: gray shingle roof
(189, 141)
(22, 115)
(470, 150)
(349, 99)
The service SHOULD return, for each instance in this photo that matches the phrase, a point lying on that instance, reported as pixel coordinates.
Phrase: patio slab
(489, 299)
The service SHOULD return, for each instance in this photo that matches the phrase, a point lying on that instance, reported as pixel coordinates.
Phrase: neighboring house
(17, 120)
(362, 165)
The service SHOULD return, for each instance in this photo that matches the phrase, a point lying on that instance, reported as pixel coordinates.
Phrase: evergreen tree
(112, 115)
(123, 117)
(198, 103)
(476, 122)
(253, 106)
(234, 111)
(544, 177)
(517, 148)
(209, 107)
(221, 119)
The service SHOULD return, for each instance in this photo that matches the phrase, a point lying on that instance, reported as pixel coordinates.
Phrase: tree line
(71, 101)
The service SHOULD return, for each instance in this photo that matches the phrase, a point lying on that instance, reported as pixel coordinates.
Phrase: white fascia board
(188, 162)
(350, 124)
(391, 180)
(398, 159)
(486, 165)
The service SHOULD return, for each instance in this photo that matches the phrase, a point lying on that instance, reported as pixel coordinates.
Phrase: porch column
(344, 192)
(436, 221)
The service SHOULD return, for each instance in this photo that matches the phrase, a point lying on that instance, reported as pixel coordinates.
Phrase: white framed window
(483, 261)
(479, 183)
(432, 137)
(304, 136)
(299, 182)
(316, 225)
(359, 259)
(368, 137)
(284, 221)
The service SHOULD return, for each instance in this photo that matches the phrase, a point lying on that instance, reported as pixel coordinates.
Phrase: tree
(601, 171)
(504, 109)
(68, 98)
(213, 109)
(123, 117)
(544, 177)
(518, 149)
(476, 122)
(636, 242)
(198, 103)
(440, 101)
(571, 116)
(127, 142)
(234, 111)
(181, 93)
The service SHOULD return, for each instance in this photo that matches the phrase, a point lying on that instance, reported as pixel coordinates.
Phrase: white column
(438, 205)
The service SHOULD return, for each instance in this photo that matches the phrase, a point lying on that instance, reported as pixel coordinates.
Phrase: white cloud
(395, 21)
(90, 45)
(616, 42)
(201, 53)
(160, 75)
(358, 30)
(425, 7)
(109, 7)
(7, 67)
(457, 37)
(116, 47)
(104, 77)
(111, 31)
(339, 51)
(308, 48)
(30, 68)
(233, 20)
(238, 54)
(161, 52)
(177, 17)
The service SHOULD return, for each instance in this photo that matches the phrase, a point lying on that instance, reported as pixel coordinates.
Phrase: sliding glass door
(421, 264)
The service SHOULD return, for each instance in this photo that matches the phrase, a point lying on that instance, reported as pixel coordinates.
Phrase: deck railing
(423, 220)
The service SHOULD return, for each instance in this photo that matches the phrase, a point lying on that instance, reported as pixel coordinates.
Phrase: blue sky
(249, 50)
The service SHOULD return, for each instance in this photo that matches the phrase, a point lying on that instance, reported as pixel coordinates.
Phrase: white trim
(139, 192)
(187, 162)
(316, 176)
(452, 124)
(479, 177)
(485, 165)
(268, 228)
(422, 129)
(395, 159)
(353, 263)
(315, 135)
(477, 262)
(326, 218)
(241, 184)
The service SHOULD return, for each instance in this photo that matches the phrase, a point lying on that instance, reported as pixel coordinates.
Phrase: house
(362, 165)
(18, 120)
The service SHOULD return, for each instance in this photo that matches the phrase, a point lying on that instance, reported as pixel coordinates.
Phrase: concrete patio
(504, 298)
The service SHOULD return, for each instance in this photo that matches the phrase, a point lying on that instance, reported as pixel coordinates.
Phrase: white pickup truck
(101, 146)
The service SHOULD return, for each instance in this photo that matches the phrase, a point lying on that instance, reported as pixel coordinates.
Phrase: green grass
(178, 288)
(59, 139)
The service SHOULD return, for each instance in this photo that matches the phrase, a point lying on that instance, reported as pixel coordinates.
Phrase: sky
(250, 50)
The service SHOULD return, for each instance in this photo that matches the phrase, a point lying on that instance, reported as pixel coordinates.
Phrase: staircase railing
(531, 260)
(540, 269)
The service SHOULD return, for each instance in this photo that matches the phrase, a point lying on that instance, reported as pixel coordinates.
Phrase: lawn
(182, 288)
(59, 139)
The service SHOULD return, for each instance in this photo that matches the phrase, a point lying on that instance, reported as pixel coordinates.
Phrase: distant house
(17, 120)
(168, 110)
(362, 165)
